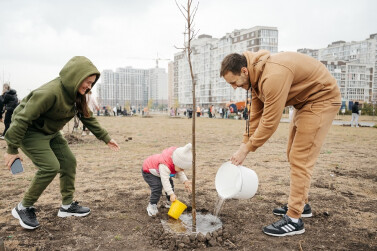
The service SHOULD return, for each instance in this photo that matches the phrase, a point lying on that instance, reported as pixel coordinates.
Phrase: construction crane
(157, 59)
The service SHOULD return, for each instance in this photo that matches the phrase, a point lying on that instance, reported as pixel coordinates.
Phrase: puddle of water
(205, 223)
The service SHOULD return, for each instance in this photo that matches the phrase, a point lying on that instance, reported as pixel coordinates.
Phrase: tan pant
(308, 130)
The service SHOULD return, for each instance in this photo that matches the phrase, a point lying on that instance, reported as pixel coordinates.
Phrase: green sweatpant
(51, 155)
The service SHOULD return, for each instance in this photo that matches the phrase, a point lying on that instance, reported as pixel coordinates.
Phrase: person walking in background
(35, 128)
(93, 106)
(8, 103)
(355, 115)
(276, 81)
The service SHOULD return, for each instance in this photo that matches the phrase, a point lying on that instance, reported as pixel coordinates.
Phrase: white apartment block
(354, 65)
(207, 55)
(132, 86)
(354, 80)
(171, 100)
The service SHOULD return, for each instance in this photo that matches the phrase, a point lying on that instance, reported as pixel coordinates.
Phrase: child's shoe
(152, 209)
(167, 204)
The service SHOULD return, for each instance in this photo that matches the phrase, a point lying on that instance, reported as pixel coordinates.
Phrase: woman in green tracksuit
(35, 128)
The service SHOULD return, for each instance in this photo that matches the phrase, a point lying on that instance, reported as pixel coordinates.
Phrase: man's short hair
(233, 63)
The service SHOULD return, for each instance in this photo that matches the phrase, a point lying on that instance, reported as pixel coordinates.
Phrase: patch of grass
(117, 237)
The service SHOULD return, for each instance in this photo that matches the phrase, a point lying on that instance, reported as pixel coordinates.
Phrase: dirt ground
(343, 193)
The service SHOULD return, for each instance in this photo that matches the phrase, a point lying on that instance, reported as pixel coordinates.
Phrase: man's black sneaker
(284, 227)
(283, 210)
(26, 216)
(74, 210)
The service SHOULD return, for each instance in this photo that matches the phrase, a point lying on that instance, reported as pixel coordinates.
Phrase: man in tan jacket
(276, 81)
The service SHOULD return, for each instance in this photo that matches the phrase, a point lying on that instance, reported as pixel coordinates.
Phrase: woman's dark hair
(82, 106)
(233, 63)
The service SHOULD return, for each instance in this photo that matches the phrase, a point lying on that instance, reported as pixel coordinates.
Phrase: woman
(10, 102)
(35, 128)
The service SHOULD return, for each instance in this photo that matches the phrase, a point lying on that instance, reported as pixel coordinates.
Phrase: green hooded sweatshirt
(48, 108)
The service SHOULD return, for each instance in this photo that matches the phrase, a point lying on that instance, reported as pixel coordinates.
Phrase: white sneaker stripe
(291, 227)
(286, 229)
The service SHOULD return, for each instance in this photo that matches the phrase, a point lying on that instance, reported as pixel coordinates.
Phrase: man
(277, 81)
(355, 115)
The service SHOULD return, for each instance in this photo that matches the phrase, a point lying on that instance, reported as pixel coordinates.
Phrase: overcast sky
(38, 37)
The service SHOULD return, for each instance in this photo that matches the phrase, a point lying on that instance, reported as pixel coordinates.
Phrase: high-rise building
(354, 65)
(207, 55)
(134, 87)
(171, 100)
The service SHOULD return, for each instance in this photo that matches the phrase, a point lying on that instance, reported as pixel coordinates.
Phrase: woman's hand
(173, 197)
(113, 145)
(188, 186)
(10, 158)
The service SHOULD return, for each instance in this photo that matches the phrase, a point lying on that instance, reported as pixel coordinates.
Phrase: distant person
(213, 113)
(276, 81)
(355, 115)
(6, 88)
(290, 113)
(8, 103)
(158, 171)
(35, 128)
(209, 112)
(198, 111)
(245, 113)
(93, 106)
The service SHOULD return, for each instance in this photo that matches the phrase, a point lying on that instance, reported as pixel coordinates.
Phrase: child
(159, 169)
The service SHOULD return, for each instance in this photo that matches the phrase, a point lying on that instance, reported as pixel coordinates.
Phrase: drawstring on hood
(255, 66)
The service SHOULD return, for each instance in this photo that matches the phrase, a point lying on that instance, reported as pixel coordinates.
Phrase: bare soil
(343, 193)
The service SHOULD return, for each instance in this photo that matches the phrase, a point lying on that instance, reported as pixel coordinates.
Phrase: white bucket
(237, 182)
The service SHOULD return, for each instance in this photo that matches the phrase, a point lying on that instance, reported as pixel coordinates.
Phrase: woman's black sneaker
(283, 210)
(26, 216)
(285, 227)
(74, 210)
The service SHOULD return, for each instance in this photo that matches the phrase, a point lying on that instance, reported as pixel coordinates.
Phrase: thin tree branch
(183, 14)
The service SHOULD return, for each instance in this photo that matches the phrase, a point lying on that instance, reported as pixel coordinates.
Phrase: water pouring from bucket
(235, 182)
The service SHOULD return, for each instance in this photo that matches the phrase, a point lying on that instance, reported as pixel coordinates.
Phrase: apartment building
(354, 65)
(132, 86)
(207, 55)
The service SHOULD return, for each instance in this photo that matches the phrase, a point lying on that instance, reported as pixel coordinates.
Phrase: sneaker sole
(150, 214)
(17, 216)
(66, 214)
(286, 234)
(302, 215)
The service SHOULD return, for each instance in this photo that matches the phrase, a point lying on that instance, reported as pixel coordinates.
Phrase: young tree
(189, 14)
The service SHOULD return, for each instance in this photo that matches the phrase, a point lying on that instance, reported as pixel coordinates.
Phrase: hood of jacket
(255, 65)
(12, 92)
(76, 70)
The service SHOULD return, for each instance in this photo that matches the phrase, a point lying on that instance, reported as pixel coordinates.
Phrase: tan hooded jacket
(281, 80)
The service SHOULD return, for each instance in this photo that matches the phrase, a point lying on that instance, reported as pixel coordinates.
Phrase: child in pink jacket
(159, 169)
